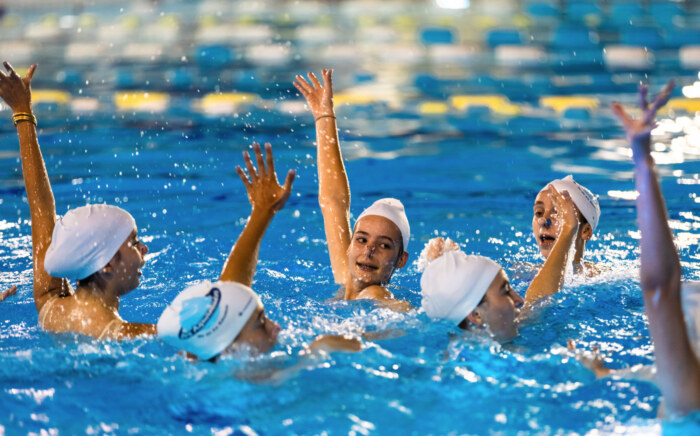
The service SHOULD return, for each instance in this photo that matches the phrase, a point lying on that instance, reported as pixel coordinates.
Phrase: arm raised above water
(550, 278)
(266, 197)
(16, 92)
(678, 367)
(333, 189)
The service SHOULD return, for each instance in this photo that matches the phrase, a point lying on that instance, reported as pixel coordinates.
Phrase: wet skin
(546, 225)
(375, 251)
(259, 331)
(127, 263)
(499, 309)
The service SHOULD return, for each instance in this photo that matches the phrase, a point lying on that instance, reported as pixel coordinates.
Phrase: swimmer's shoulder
(385, 298)
(66, 314)
(375, 292)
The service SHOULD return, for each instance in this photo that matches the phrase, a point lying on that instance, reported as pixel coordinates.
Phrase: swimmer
(210, 319)
(474, 291)
(8, 293)
(96, 244)
(364, 259)
(545, 220)
(678, 367)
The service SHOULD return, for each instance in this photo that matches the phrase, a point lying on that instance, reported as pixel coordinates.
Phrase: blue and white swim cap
(206, 318)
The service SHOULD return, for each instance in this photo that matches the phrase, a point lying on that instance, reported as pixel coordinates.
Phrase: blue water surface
(475, 187)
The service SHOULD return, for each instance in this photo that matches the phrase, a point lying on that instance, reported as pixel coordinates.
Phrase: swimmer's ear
(475, 317)
(105, 273)
(401, 261)
(586, 232)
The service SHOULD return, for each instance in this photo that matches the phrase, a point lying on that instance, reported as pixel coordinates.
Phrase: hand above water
(319, 98)
(264, 191)
(8, 293)
(638, 131)
(436, 247)
(16, 90)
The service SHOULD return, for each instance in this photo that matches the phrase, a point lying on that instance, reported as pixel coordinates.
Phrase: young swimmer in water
(474, 291)
(210, 319)
(678, 366)
(364, 259)
(545, 221)
(95, 244)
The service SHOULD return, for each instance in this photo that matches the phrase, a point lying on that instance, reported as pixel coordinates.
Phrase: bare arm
(660, 274)
(16, 92)
(266, 197)
(8, 293)
(131, 330)
(333, 189)
(550, 278)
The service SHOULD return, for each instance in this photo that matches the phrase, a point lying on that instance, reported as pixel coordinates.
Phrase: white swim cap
(453, 284)
(206, 318)
(85, 239)
(393, 210)
(690, 298)
(584, 199)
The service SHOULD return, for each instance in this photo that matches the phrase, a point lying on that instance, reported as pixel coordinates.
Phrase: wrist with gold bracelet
(23, 116)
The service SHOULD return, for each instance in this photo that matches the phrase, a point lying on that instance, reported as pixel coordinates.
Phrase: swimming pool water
(181, 186)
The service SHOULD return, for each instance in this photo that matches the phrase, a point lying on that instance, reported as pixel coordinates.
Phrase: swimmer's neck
(579, 249)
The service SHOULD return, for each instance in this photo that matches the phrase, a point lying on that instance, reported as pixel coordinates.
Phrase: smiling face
(260, 332)
(126, 265)
(376, 249)
(499, 309)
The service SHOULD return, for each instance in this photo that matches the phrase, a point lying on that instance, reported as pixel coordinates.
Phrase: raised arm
(266, 197)
(16, 92)
(333, 189)
(550, 278)
(660, 273)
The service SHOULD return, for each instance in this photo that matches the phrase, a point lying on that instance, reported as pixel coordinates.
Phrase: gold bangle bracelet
(23, 116)
(326, 116)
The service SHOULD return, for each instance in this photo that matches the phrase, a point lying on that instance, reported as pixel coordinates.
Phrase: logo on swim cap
(215, 295)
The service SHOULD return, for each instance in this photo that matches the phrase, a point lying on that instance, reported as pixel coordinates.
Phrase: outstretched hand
(319, 98)
(16, 90)
(590, 360)
(264, 191)
(638, 131)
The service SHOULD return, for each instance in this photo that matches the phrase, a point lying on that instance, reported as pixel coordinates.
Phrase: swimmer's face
(499, 309)
(375, 251)
(260, 332)
(546, 224)
(125, 266)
